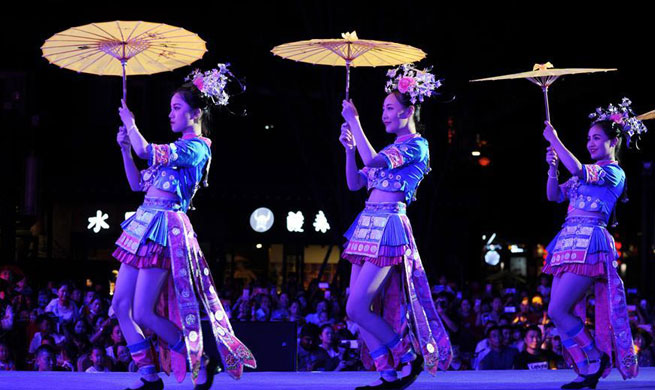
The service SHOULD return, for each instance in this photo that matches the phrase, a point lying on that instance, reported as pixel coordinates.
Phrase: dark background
(64, 124)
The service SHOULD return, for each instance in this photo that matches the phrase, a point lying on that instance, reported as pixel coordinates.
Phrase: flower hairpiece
(408, 79)
(623, 116)
(212, 83)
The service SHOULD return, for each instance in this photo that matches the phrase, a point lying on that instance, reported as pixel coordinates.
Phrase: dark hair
(405, 100)
(44, 348)
(194, 98)
(532, 327)
(612, 130)
(492, 328)
(322, 328)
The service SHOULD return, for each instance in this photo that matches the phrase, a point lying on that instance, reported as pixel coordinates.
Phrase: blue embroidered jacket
(408, 161)
(600, 187)
(177, 167)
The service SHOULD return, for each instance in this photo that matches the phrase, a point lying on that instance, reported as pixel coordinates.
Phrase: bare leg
(567, 291)
(122, 303)
(368, 337)
(370, 279)
(148, 286)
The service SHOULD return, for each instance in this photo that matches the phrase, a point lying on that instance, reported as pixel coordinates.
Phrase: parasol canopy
(122, 48)
(544, 75)
(349, 51)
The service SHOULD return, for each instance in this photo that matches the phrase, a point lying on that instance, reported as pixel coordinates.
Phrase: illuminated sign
(261, 219)
(295, 221)
(321, 223)
(98, 222)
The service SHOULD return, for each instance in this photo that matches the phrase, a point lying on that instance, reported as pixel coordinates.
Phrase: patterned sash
(193, 283)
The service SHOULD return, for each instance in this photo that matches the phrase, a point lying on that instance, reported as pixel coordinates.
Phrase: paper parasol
(349, 51)
(120, 48)
(544, 75)
(646, 116)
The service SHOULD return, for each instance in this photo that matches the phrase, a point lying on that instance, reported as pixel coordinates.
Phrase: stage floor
(477, 380)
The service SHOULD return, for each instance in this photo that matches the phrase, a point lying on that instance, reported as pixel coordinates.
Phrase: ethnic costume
(585, 247)
(382, 235)
(160, 235)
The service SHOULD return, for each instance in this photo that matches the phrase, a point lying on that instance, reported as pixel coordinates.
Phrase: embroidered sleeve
(398, 155)
(605, 175)
(161, 154)
(181, 153)
(564, 190)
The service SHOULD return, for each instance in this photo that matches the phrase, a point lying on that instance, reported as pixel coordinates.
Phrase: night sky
(67, 122)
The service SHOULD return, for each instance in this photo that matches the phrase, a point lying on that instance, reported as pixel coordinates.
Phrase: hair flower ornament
(623, 116)
(212, 83)
(418, 83)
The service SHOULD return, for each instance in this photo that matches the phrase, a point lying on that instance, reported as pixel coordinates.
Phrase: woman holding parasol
(583, 253)
(386, 268)
(164, 280)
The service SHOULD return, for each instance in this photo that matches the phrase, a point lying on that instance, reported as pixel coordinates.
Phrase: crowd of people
(64, 326)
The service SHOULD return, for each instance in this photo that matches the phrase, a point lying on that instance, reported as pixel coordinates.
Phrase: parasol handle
(544, 88)
(347, 79)
(124, 63)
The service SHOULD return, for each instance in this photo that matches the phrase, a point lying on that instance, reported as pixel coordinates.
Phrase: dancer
(164, 281)
(583, 253)
(386, 268)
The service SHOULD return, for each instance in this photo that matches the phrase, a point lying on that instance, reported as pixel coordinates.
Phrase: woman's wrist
(553, 172)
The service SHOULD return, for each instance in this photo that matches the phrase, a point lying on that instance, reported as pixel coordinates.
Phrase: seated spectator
(98, 359)
(457, 363)
(44, 358)
(307, 345)
(262, 309)
(123, 361)
(326, 357)
(281, 312)
(62, 307)
(115, 338)
(66, 357)
(46, 330)
(557, 349)
(93, 310)
(643, 343)
(295, 313)
(321, 306)
(499, 357)
(6, 363)
(482, 348)
(533, 357)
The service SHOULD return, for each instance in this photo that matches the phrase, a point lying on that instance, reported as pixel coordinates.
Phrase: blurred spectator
(6, 362)
(115, 338)
(533, 357)
(63, 307)
(307, 345)
(558, 353)
(98, 359)
(483, 347)
(295, 313)
(499, 356)
(321, 306)
(645, 350)
(262, 307)
(123, 362)
(281, 312)
(66, 357)
(458, 363)
(326, 357)
(46, 330)
(44, 358)
(544, 287)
